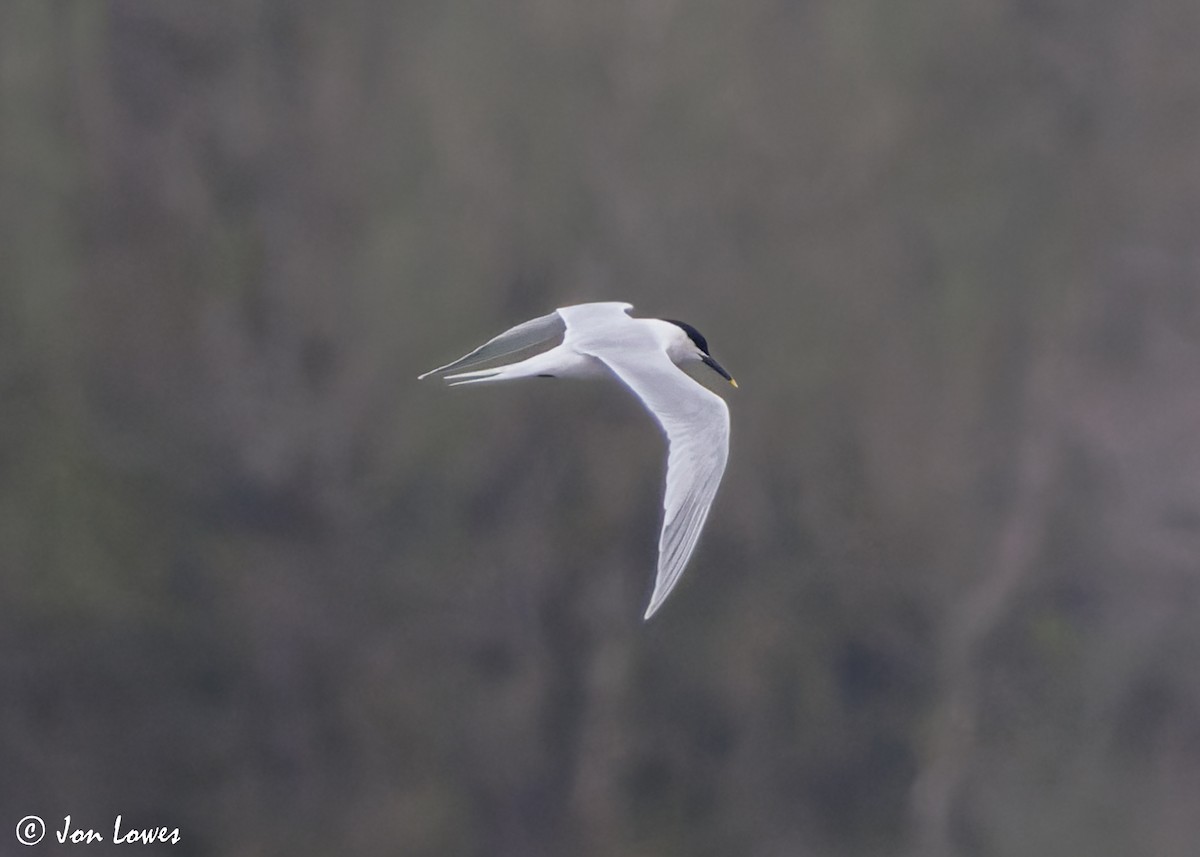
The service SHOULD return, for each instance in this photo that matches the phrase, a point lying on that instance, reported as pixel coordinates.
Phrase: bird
(603, 340)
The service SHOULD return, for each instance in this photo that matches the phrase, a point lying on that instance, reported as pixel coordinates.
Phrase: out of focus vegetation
(258, 583)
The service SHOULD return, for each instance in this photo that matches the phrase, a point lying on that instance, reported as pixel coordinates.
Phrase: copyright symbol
(30, 830)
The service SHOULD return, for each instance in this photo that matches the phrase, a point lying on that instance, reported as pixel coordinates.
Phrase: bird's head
(693, 346)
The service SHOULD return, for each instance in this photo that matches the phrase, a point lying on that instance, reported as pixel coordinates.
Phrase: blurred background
(259, 584)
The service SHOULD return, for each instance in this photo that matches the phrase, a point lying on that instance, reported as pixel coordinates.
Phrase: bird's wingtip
(655, 602)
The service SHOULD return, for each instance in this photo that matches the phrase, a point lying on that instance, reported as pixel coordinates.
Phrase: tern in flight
(603, 340)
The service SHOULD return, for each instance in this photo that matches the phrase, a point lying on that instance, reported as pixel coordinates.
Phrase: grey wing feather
(524, 335)
(696, 422)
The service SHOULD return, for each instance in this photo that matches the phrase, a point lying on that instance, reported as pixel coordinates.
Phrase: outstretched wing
(588, 317)
(524, 335)
(696, 422)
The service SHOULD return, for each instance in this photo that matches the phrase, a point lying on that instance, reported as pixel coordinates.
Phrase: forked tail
(495, 374)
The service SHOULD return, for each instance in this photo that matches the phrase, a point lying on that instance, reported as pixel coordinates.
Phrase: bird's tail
(494, 374)
(550, 363)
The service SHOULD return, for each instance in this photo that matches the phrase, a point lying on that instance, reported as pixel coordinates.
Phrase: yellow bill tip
(733, 382)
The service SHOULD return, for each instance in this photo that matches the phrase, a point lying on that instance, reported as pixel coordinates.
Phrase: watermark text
(32, 829)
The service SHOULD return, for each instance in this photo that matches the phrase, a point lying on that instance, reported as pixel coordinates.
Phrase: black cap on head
(693, 334)
(700, 342)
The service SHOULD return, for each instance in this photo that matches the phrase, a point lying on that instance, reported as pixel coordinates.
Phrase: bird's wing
(585, 315)
(524, 335)
(696, 422)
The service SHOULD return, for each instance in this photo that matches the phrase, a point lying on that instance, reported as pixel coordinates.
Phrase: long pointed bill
(716, 367)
